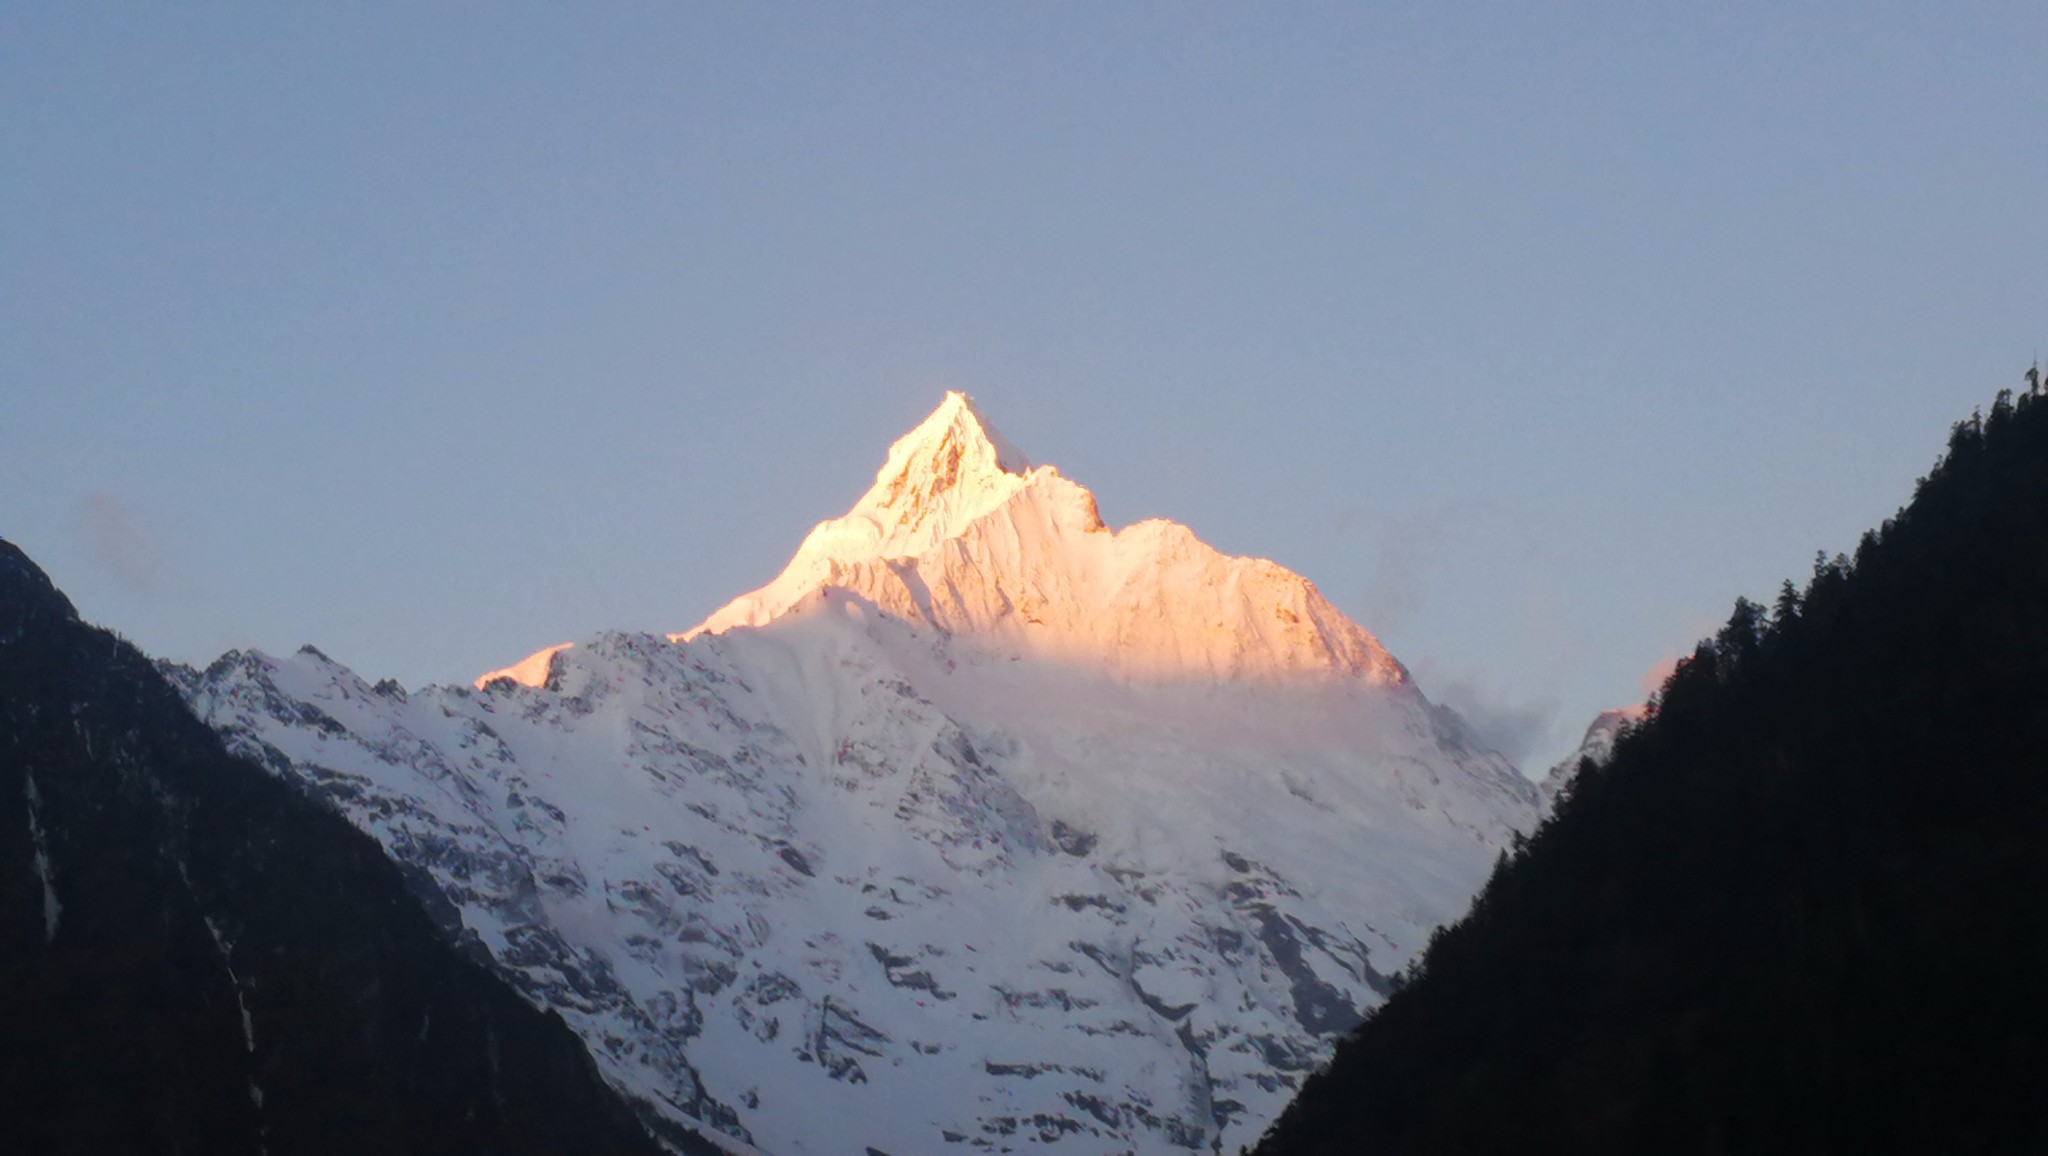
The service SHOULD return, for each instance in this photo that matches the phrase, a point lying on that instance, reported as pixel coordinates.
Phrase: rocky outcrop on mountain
(982, 826)
(197, 958)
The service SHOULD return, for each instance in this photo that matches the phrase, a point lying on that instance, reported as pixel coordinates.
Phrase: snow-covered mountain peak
(953, 470)
(958, 432)
(981, 825)
(960, 532)
(939, 478)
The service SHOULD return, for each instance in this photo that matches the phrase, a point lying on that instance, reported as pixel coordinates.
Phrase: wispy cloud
(1515, 729)
(1653, 678)
(1407, 547)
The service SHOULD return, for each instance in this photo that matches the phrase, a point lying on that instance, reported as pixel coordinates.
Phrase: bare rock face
(980, 825)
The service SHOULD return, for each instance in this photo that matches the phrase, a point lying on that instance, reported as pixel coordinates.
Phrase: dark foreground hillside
(193, 959)
(1804, 908)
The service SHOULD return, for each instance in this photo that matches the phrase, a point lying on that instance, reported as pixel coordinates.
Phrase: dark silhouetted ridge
(194, 959)
(1804, 908)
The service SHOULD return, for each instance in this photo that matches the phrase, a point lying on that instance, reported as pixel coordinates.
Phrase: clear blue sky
(1534, 334)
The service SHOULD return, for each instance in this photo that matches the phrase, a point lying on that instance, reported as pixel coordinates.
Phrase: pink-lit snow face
(529, 671)
(959, 531)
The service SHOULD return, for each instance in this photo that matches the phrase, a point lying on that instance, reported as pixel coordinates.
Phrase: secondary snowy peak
(1598, 746)
(961, 532)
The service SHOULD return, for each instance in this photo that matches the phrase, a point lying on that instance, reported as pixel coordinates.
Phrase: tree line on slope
(1804, 907)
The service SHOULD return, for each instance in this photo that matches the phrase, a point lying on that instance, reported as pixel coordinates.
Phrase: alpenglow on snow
(981, 827)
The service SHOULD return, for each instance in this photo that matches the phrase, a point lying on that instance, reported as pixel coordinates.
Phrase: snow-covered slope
(981, 825)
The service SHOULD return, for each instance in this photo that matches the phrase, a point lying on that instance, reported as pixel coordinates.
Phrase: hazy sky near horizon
(1533, 334)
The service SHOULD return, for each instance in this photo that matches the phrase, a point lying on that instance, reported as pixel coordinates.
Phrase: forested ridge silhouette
(1805, 905)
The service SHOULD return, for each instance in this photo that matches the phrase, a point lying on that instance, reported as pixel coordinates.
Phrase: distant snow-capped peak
(1597, 746)
(961, 532)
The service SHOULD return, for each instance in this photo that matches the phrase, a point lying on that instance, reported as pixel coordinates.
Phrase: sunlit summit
(962, 533)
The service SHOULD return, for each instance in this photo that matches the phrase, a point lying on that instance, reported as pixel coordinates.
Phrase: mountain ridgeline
(198, 959)
(1802, 906)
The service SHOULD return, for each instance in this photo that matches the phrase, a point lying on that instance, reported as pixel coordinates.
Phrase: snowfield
(982, 827)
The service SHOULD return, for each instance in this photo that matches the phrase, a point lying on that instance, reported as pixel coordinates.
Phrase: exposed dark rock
(1319, 1007)
(897, 969)
(796, 861)
(1072, 840)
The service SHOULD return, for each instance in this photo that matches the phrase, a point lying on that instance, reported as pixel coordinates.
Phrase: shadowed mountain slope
(194, 958)
(1804, 907)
